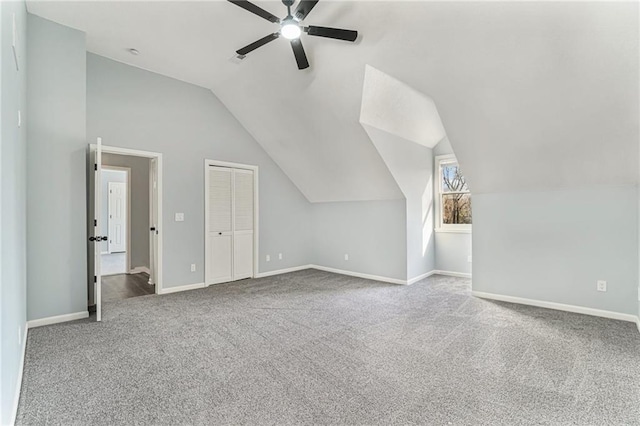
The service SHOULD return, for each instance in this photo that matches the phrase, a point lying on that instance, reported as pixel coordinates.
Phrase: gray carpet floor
(317, 348)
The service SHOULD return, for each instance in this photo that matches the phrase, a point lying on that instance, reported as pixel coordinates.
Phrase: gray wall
(133, 108)
(13, 206)
(139, 205)
(452, 249)
(411, 165)
(56, 207)
(554, 246)
(372, 233)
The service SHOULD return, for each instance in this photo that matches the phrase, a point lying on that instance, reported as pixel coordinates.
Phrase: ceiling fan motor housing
(290, 28)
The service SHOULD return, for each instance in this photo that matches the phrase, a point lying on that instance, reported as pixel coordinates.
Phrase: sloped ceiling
(532, 95)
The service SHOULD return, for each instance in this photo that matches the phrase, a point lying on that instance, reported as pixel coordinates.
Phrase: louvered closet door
(243, 216)
(220, 238)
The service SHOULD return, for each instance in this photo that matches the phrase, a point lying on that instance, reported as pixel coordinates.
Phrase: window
(453, 199)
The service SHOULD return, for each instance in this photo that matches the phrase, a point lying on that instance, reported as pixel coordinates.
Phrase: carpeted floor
(316, 348)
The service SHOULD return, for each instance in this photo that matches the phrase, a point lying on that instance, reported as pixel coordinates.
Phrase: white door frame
(158, 207)
(256, 211)
(128, 171)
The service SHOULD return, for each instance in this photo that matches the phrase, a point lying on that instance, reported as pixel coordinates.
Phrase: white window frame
(445, 227)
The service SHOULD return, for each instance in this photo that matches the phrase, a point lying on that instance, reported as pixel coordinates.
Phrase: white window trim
(445, 227)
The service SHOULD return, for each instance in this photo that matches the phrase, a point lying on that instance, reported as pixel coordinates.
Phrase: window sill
(453, 231)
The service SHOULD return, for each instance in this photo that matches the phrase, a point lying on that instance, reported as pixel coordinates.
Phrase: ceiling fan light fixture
(290, 29)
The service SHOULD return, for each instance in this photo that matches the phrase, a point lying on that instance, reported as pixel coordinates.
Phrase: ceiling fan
(290, 28)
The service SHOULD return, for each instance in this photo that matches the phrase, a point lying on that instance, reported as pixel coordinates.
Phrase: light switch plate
(179, 217)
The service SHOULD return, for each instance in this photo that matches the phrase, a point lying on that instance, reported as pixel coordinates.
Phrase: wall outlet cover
(268, 258)
(179, 217)
(601, 285)
(193, 267)
(346, 257)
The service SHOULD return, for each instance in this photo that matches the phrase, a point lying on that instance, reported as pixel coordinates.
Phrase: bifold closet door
(220, 238)
(243, 217)
(231, 225)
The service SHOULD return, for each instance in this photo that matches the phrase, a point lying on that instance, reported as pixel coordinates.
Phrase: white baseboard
(360, 275)
(57, 319)
(452, 274)
(558, 306)
(179, 288)
(16, 397)
(139, 269)
(282, 271)
(421, 277)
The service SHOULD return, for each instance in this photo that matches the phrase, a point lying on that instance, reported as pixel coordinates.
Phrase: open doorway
(125, 196)
(126, 206)
(116, 213)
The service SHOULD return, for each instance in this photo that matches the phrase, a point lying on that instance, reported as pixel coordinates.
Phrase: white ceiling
(532, 95)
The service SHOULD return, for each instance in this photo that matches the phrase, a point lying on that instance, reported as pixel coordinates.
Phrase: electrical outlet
(346, 257)
(268, 258)
(193, 267)
(179, 217)
(602, 286)
(279, 256)
(469, 259)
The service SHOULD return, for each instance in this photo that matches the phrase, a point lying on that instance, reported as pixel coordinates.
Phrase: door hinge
(95, 167)
(95, 279)
(95, 222)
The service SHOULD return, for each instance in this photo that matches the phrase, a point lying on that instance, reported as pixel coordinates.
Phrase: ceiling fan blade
(337, 33)
(304, 7)
(259, 43)
(256, 10)
(298, 51)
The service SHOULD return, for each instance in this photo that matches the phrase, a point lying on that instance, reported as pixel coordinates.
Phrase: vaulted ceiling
(532, 95)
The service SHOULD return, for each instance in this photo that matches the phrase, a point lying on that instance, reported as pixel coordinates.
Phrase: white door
(219, 240)
(243, 224)
(153, 219)
(230, 223)
(96, 239)
(117, 217)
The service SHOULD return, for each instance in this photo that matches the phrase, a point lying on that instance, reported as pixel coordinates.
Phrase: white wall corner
(140, 269)
(453, 274)
(16, 397)
(360, 275)
(559, 306)
(57, 319)
(283, 271)
(421, 277)
(177, 289)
